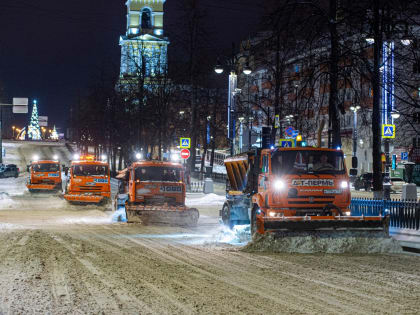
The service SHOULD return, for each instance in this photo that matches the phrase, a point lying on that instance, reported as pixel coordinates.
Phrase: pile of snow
(85, 220)
(334, 243)
(239, 235)
(5, 201)
(9, 226)
(119, 215)
(206, 200)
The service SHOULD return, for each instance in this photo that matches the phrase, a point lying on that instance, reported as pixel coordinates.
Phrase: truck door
(263, 177)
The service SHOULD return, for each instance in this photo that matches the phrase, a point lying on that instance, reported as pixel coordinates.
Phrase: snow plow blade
(162, 214)
(85, 198)
(331, 224)
(43, 187)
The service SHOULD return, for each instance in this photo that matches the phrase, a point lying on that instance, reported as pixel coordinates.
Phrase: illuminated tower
(144, 48)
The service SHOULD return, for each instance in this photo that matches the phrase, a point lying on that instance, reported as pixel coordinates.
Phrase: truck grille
(90, 188)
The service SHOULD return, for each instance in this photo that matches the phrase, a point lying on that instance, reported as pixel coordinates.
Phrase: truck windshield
(158, 174)
(45, 167)
(307, 162)
(90, 170)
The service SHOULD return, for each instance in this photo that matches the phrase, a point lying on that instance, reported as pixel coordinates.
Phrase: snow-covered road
(59, 258)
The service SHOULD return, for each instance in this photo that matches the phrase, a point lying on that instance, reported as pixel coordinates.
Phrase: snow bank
(239, 235)
(205, 200)
(119, 216)
(9, 226)
(337, 243)
(6, 202)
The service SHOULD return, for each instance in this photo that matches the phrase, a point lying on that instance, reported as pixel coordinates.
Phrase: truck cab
(153, 192)
(303, 181)
(44, 175)
(155, 182)
(292, 189)
(89, 181)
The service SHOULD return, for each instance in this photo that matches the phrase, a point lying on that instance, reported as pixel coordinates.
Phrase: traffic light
(299, 141)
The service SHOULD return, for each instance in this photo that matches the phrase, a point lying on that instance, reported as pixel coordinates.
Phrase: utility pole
(334, 135)
(376, 118)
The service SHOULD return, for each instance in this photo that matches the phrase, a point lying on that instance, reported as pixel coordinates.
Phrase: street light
(233, 90)
(395, 114)
(13, 127)
(247, 70)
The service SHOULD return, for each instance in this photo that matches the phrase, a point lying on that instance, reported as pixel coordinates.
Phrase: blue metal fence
(403, 214)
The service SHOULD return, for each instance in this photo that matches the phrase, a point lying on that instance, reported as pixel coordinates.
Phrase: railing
(217, 177)
(195, 186)
(404, 214)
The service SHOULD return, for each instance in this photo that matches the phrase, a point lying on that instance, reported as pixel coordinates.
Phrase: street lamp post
(13, 128)
(233, 90)
(354, 109)
(241, 133)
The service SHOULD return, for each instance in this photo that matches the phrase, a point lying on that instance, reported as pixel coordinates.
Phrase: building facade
(302, 89)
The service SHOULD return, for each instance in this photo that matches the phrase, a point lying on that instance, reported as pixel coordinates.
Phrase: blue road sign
(286, 143)
(185, 143)
(295, 133)
(388, 131)
(289, 131)
(404, 156)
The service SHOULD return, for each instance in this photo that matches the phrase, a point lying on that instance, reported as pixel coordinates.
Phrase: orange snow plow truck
(288, 190)
(153, 192)
(44, 175)
(89, 181)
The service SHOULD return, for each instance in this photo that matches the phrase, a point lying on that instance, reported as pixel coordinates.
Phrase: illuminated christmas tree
(54, 134)
(34, 132)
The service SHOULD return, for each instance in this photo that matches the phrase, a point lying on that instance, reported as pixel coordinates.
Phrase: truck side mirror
(354, 162)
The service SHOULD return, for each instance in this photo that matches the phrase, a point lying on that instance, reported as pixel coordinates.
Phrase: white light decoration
(55, 157)
(54, 134)
(34, 132)
(76, 157)
(103, 157)
(139, 156)
(35, 157)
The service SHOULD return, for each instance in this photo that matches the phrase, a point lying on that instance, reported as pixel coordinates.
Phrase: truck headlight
(344, 184)
(279, 184)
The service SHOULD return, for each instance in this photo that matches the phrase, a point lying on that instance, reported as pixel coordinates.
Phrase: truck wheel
(226, 215)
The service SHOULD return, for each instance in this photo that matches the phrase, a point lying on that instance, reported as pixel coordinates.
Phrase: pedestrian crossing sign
(388, 131)
(185, 143)
(286, 143)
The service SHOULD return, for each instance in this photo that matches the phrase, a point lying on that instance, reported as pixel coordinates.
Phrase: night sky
(52, 50)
